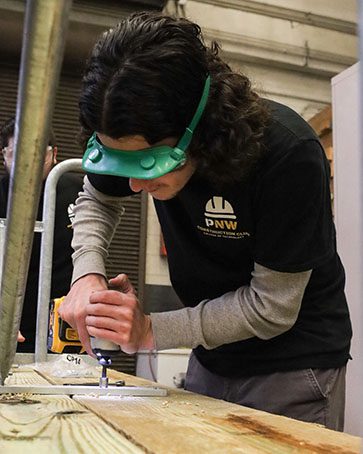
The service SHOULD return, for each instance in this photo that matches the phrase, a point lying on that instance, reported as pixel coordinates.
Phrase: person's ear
(55, 151)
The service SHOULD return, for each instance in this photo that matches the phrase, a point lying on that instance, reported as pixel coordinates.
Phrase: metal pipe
(46, 253)
(43, 44)
(2, 242)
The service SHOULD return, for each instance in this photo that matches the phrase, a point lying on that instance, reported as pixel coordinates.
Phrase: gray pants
(311, 395)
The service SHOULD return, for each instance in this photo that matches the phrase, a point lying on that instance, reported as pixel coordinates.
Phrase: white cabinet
(348, 204)
(167, 367)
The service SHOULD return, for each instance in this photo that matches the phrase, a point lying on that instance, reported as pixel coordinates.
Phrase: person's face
(50, 157)
(163, 188)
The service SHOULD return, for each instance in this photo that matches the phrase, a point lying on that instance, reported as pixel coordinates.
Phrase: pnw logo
(220, 220)
(219, 214)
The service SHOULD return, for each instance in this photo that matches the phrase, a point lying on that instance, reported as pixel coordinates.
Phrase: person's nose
(136, 185)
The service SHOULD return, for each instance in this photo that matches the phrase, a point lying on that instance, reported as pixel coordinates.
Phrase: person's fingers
(120, 338)
(112, 297)
(79, 319)
(101, 333)
(84, 338)
(75, 318)
(117, 312)
(67, 313)
(64, 313)
(122, 283)
(108, 323)
(21, 338)
(72, 309)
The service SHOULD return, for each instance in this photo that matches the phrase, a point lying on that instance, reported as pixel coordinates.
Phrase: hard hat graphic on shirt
(218, 207)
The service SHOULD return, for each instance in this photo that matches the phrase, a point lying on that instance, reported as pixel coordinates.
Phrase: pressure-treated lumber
(54, 424)
(186, 422)
(182, 422)
(189, 423)
(57, 424)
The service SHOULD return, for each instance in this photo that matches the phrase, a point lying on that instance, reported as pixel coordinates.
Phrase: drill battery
(62, 338)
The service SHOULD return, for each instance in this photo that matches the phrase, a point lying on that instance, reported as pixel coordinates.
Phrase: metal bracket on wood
(71, 390)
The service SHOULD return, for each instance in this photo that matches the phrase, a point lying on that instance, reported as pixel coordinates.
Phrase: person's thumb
(121, 283)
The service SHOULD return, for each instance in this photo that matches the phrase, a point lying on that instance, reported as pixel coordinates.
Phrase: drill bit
(104, 362)
(103, 350)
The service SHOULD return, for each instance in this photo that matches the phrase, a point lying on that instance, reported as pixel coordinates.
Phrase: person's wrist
(148, 341)
(92, 278)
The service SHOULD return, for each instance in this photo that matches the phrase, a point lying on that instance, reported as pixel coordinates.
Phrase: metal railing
(46, 253)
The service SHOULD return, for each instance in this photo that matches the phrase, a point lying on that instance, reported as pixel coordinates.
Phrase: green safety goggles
(147, 163)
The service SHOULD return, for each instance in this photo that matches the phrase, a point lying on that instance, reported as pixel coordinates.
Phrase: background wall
(291, 49)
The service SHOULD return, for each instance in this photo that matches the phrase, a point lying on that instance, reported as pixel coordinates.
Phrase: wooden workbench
(182, 422)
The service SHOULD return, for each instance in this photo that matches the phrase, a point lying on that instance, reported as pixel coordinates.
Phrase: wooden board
(54, 424)
(182, 422)
(188, 423)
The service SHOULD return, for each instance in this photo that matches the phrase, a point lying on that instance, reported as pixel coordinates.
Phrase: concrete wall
(283, 50)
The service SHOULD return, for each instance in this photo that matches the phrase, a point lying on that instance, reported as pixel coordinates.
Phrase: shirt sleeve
(96, 218)
(294, 227)
(269, 306)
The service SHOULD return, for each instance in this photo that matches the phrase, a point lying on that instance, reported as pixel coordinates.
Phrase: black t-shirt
(280, 218)
(67, 191)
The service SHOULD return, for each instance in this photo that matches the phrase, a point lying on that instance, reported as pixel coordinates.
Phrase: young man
(241, 188)
(67, 192)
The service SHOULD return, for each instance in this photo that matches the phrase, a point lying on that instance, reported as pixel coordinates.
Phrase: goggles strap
(188, 134)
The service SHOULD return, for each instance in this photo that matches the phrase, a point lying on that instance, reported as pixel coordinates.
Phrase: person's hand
(116, 315)
(73, 308)
(21, 338)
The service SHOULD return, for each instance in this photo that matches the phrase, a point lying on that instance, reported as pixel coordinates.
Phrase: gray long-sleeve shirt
(267, 307)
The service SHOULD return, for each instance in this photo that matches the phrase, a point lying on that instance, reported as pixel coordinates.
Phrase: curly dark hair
(7, 131)
(146, 76)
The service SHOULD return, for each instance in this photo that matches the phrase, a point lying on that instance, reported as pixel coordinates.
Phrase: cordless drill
(62, 338)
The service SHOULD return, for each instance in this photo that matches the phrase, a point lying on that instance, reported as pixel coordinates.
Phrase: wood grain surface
(182, 422)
